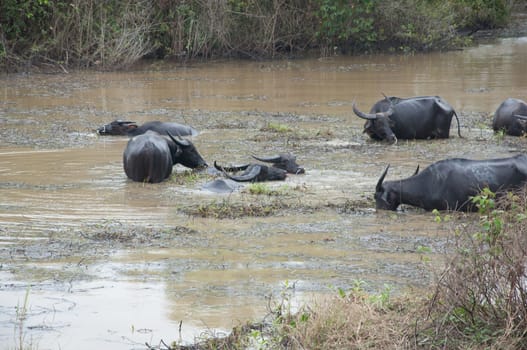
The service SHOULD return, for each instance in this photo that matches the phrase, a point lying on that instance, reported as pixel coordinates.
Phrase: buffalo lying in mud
(253, 172)
(123, 128)
(511, 116)
(282, 164)
(149, 157)
(449, 184)
(423, 117)
(285, 161)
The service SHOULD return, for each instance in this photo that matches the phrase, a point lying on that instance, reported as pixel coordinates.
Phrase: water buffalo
(511, 116)
(423, 117)
(253, 172)
(222, 186)
(149, 157)
(282, 164)
(285, 161)
(449, 184)
(121, 127)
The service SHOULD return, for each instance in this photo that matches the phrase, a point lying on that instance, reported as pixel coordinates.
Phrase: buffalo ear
(181, 142)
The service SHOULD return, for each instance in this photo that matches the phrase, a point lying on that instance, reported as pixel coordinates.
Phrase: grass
(277, 128)
(187, 177)
(226, 209)
(21, 316)
(261, 188)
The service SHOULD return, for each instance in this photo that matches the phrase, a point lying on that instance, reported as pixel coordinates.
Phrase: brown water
(61, 185)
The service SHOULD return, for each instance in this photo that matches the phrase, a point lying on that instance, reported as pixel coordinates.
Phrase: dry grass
(353, 323)
(481, 297)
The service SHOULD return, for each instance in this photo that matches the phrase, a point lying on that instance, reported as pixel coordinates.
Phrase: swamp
(89, 259)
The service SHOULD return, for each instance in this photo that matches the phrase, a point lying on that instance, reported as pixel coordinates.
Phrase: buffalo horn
(416, 170)
(522, 117)
(273, 159)
(381, 179)
(250, 176)
(232, 168)
(363, 115)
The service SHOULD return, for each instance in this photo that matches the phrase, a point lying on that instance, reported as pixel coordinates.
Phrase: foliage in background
(114, 34)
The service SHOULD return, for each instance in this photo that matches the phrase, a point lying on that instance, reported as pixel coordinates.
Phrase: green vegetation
(21, 317)
(114, 34)
(278, 128)
(227, 209)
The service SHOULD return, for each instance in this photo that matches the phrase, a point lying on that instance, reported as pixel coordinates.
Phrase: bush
(481, 297)
(413, 25)
(481, 14)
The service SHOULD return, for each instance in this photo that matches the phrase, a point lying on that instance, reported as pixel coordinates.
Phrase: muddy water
(107, 262)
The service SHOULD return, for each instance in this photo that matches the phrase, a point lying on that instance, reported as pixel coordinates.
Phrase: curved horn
(416, 170)
(232, 168)
(181, 143)
(272, 159)
(522, 117)
(381, 179)
(253, 173)
(363, 115)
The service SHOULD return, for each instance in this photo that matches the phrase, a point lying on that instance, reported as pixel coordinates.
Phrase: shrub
(481, 297)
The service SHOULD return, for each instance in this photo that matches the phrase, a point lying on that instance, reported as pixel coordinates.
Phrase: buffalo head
(117, 127)
(185, 153)
(387, 195)
(378, 125)
(253, 173)
(286, 162)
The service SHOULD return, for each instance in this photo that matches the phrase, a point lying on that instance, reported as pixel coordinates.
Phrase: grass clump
(277, 127)
(260, 188)
(187, 177)
(229, 210)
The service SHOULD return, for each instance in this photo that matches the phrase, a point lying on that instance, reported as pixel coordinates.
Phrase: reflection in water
(59, 182)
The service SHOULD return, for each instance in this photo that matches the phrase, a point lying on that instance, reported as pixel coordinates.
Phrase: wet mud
(89, 258)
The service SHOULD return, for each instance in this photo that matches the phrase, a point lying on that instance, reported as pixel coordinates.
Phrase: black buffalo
(282, 164)
(253, 172)
(423, 117)
(511, 116)
(121, 127)
(449, 184)
(149, 157)
(285, 161)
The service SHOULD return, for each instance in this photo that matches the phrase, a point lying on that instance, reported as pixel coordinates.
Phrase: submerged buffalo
(449, 184)
(423, 117)
(253, 172)
(282, 164)
(511, 116)
(149, 157)
(285, 161)
(128, 128)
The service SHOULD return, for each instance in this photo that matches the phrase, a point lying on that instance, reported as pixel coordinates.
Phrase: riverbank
(76, 35)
